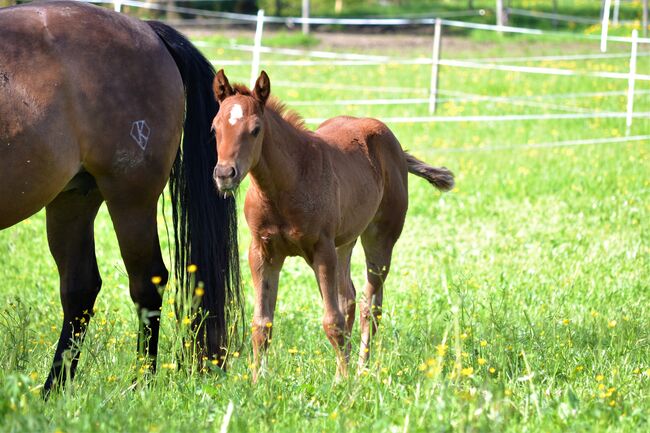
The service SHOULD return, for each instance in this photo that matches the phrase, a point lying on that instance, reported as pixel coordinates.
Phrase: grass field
(517, 302)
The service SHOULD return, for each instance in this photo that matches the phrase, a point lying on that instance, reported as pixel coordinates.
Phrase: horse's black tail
(440, 177)
(205, 223)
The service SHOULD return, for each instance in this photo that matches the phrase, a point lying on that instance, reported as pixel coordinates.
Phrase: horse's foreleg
(137, 235)
(325, 267)
(266, 275)
(70, 236)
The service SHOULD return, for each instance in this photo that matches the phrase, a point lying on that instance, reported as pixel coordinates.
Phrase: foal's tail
(440, 177)
(205, 223)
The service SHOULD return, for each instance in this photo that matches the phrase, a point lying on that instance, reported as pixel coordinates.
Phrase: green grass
(517, 302)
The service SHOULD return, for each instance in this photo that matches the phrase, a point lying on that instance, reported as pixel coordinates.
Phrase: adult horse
(92, 107)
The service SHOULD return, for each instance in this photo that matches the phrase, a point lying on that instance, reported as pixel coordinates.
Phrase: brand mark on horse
(140, 132)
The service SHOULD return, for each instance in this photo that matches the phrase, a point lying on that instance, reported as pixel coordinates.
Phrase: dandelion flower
(192, 268)
(611, 324)
(156, 279)
(467, 372)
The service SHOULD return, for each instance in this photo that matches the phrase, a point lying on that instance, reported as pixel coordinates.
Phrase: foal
(312, 195)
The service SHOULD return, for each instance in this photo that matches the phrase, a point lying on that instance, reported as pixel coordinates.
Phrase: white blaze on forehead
(236, 113)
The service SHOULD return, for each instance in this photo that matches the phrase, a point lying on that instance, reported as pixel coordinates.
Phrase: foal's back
(370, 165)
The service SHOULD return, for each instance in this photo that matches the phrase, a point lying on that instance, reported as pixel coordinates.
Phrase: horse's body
(313, 194)
(92, 105)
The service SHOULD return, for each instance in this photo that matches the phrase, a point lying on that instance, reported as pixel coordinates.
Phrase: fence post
(435, 57)
(499, 7)
(617, 6)
(305, 17)
(255, 65)
(117, 5)
(605, 25)
(630, 82)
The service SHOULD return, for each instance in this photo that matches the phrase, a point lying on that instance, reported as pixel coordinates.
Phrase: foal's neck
(279, 166)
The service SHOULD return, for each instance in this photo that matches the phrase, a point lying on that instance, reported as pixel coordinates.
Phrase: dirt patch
(420, 43)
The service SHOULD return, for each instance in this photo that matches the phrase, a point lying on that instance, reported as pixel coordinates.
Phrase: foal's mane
(277, 106)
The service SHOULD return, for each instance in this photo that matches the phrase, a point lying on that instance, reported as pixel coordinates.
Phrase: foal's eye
(255, 131)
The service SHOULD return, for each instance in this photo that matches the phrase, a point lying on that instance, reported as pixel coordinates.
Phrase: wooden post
(435, 57)
(117, 5)
(255, 64)
(605, 25)
(630, 82)
(305, 15)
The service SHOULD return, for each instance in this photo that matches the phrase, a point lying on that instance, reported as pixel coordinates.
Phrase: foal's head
(239, 129)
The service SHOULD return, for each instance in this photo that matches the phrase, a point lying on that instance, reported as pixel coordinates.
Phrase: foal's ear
(221, 86)
(262, 88)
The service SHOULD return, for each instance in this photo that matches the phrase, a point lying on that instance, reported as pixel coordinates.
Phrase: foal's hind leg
(378, 241)
(324, 264)
(346, 292)
(71, 239)
(134, 217)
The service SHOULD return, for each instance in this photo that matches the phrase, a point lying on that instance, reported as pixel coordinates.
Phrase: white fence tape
(290, 21)
(499, 118)
(528, 146)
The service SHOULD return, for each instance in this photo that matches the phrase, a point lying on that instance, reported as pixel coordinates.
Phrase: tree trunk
(278, 7)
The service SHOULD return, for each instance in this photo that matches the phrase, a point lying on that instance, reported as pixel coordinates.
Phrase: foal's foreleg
(71, 239)
(325, 267)
(266, 275)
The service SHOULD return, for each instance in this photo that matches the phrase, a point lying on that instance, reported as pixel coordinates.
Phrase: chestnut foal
(312, 195)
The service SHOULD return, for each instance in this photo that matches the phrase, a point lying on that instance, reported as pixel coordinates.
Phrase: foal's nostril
(225, 172)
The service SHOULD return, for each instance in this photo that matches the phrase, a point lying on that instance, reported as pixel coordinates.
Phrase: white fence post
(630, 82)
(605, 25)
(117, 5)
(305, 16)
(255, 65)
(617, 6)
(499, 7)
(435, 57)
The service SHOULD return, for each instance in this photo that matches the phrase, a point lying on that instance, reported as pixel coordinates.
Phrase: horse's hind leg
(134, 218)
(137, 235)
(378, 240)
(346, 292)
(70, 218)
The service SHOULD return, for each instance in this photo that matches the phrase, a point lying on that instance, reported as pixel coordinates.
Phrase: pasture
(517, 302)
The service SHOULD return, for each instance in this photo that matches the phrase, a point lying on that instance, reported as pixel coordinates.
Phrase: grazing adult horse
(313, 194)
(92, 107)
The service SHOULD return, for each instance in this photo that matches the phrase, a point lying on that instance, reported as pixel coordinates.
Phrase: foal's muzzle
(226, 177)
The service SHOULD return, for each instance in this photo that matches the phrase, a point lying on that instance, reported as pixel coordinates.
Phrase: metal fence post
(435, 57)
(630, 82)
(605, 26)
(305, 16)
(255, 65)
